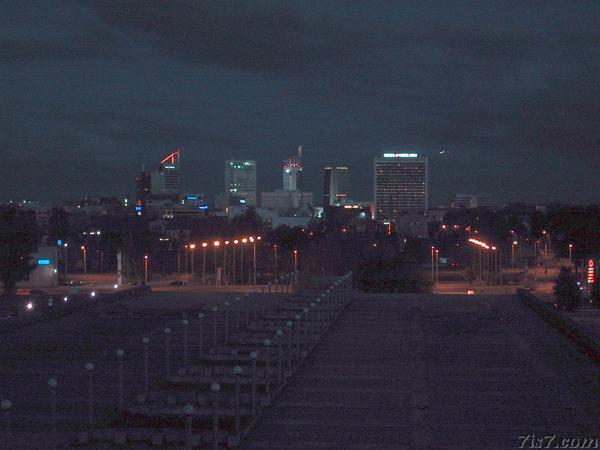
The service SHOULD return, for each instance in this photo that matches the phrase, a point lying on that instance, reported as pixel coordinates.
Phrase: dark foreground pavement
(424, 371)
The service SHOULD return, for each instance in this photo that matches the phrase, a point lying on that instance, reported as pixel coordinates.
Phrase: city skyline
(490, 94)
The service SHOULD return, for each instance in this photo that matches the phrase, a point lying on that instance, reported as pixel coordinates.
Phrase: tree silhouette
(567, 290)
(57, 226)
(19, 237)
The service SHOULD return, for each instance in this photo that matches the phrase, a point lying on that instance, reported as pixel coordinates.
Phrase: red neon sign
(591, 271)
(172, 157)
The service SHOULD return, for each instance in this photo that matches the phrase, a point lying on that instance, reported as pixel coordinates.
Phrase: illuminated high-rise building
(336, 185)
(164, 182)
(169, 167)
(292, 172)
(401, 186)
(240, 182)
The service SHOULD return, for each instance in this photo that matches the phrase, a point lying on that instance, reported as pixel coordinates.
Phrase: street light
(253, 259)
(244, 240)
(192, 248)
(145, 269)
(186, 258)
(84, 250)
(437, 267)
(570, 253)
(514, 244)
(204, 245)
(215, 247)
(295, 265)
(276, 261)
(235, 242)
(225, 260)
(494, 265)
(66, 256)
(432, 266)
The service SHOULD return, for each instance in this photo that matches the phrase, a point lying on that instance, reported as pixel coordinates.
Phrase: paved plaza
(382, 371)
(423, 371)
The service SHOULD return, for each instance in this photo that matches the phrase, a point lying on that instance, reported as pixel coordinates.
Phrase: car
(470, 291)
(178, 283)
(75, 283)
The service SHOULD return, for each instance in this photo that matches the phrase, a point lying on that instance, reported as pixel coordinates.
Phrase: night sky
(510, 91)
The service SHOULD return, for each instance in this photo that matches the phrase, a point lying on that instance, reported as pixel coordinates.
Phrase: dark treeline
(382, 261)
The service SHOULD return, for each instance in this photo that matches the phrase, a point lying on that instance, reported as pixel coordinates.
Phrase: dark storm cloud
(76, 46)
(509, 88)
(261, 35)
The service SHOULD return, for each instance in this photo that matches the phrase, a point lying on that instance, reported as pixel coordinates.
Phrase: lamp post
(514, 244)
(437, 267)
(66, 256)
(244, 240)
(545, 242)
(235, 242)
(215, 248)
(186, 258)
(204, 245)
(295, 266)
(276, 260)
(192, 248)
(494, 264)
(84, 251)
(253, 259)
(145, 269)
(570, 253)
(432, 266)
(225, 261)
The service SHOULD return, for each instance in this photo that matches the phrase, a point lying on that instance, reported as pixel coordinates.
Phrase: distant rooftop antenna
(300, 152)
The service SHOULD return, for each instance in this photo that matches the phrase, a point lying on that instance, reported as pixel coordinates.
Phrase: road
(447, 372)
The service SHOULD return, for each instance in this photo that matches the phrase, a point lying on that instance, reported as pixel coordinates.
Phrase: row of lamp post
(490, 262)
(227, 277)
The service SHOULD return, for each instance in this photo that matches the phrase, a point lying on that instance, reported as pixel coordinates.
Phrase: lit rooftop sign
(400, 155)
(43, 262)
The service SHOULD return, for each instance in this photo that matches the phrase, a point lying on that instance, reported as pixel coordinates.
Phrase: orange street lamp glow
(244, 240)
(235, 241)
(204, 245)
(251, 239)
(258, 238)
(479, 243)
(226, 242)
(216, 243)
